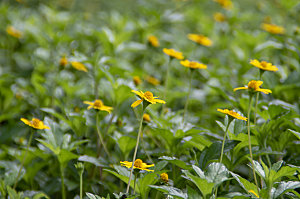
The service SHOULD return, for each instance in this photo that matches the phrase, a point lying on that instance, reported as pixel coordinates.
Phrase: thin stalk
(23, 160)
(62, 176)
(135, 177)
(100, 136)
(256, 102)
(223, 143)
(249, 141)
(188, 96)
(166, 84)
(135, 151)
(81, 185)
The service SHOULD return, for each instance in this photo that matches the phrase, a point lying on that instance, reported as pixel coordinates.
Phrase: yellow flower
(79, 66)
(164, 177)
(153, 41)
(153, 80)
(146, 117)
(254, 85)
(13, 32)
(193, 64)
(148, 96)
(252, 191)
(98, 104)
(63, 61)
(227, 4)
(232, 114)
(219, 17)
(138, 164)
(272, 28)
(35, 123)
(200, 39)
(173, 53)
(263, 65)
(137, 80)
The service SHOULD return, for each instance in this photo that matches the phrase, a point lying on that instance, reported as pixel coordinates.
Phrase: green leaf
(175, 161)
(12, 193)
(285, 171)
(192, 193)
(126, 144)
(285, 186)
(199, 171)
(297, 134)
(144, 182)
(170, 190)
(216, 173)
(65, 156)
(40, 196)
(56, 150)
(245, 184)
(92, 196)
(258, 168)
(92, 160)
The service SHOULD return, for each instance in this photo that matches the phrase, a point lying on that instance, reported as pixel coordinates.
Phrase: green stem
(81, 185)
(223, 143)
(100, 136)
(23, 160)
(256, 102)
(166, 83)
(135, 177)
(135, 151)
(188, 96)
(63, 194)
(249, 141)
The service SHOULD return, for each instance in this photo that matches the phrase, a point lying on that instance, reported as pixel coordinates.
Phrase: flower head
(253, 86)
(272, 28)
(153, 80)
(137, 80)
(232, 114)
(146, 117)
(153, 41)
(148, 96)
(35, 123)
(263, 65)
(227, 4)
(173, 53)
(13, 32)
(200, 39)
(193, 64)
(79, 66)
(138, 164)
(98, 104)
(164, 177)
(219, 17)
(63, 61)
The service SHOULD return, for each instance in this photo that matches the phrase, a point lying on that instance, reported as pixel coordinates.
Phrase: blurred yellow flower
(146, 117)
(252, 191)
(219, 17)
(164, 177)
(35, 123)
(173, 53)
(153, 41)
(253, 86)
(200, 39)
(152, 80)
(263, 65)
(79, 66)
(227, 4)
(98, 104)
(148, 96)
(272, 28)
(138, 164)
(232, 114)
(13, 32)
(193, 64)
(63, 61)
(137, 80)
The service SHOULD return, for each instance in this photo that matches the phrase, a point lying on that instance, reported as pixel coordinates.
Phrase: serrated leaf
(170, 190)
(285, 186)
(216, 173)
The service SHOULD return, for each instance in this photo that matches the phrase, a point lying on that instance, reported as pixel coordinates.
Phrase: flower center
(149, 96)
(253, 85)
(98, 103)
(35, 122)
(138, 163)
(264, 64)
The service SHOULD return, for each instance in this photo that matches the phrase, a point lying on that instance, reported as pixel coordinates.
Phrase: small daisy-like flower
(173, 53)
(193, 64)
(200, 39)
(98, 104)
(263, 65)
(152, 80)
(219, 17)
(35, 123)
(232, 114)
(63, 61)
(164, 177)
(146, 117)
(153, 41)
(227, 4)
(253, 86)
(137, 80)
(148, 96)
(79, 66)
(272, 28)
(13, 32)
(252, 191)
(138, 164)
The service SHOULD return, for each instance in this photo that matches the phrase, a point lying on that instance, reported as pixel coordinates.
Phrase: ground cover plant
(150, 99)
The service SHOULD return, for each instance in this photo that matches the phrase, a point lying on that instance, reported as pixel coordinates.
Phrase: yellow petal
(136, 103)
(265, 91)
(140, 94)
(26, 121)
(89, 103)
(160, 101)
(240, 88)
